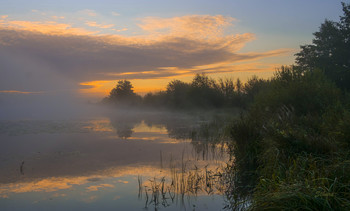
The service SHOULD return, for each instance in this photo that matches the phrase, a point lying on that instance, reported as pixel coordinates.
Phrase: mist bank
(17, 106)
(31, 88)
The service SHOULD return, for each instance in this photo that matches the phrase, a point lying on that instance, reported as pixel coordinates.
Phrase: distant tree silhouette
(123, 94)
(177, 93)
(156, 100)
(205, 92)
(253, 86)
(330, 50)
(239, 86)
(227, 87)
(202, 81)
(201, 92)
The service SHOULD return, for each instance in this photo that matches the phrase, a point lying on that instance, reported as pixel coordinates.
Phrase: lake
(120, 161)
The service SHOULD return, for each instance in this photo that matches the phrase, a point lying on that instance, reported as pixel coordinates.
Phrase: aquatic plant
(182, 183)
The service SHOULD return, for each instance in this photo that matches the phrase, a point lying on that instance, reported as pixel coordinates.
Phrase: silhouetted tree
(253, 86)
(204, 92)
(177, 93)
(330, 50)
(123, 93)
(158, 99)
(227, 87)
(203, 81)
(239, 86)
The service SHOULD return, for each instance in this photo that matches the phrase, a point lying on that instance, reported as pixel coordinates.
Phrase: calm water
(151, 161)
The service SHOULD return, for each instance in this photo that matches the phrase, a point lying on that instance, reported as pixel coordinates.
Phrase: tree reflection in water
(190, 176)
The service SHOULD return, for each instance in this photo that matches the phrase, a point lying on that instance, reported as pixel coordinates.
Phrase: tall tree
(204, 92)
(330, 50)
(177, 93)
(123, 93)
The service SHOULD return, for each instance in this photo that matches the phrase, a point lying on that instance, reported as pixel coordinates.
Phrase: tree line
(201, 92)
(328, 53)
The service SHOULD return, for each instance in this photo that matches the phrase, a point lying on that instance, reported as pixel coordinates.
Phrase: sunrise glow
(89, 49)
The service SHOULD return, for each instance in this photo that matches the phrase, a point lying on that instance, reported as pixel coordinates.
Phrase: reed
(183, 183)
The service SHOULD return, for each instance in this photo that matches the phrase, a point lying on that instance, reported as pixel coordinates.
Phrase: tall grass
(292, 147)
(181, 184)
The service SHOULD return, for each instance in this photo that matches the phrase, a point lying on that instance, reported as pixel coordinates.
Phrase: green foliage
(330, 50)
(294, 140)
(308, 92)
(302, 189)
(292, 146)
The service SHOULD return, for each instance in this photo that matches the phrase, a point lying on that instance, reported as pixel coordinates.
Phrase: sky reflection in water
(106, 163)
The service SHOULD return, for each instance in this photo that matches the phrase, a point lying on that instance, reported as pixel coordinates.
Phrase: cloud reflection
(98, 187)
(62, 186)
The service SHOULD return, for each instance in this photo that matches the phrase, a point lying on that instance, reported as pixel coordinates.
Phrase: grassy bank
(292, 147)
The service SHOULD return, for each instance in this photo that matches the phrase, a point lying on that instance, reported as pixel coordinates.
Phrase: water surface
(117, 162)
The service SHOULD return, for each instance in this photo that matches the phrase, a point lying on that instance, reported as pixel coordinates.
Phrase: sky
(80, 48)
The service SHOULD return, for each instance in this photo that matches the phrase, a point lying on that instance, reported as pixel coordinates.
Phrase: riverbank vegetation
(291, 145)
(292, 148)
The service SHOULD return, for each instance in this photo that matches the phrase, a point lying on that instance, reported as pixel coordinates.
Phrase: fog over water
(31, 88)
(57, 151)
(70, 155)
(40, 106)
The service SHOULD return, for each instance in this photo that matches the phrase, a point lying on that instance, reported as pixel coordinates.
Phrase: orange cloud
(88, 12)
(57, 17)
(191, 25)
(156, 81)
(48, 27)
(94, 24)
(98, 88)
(102, 88)
(18, 92)
(170, 47)
(120, 30)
